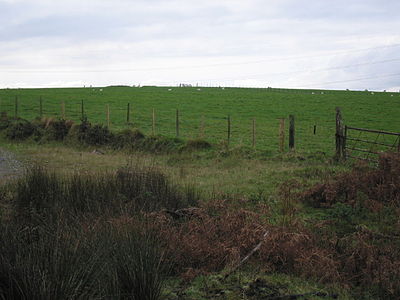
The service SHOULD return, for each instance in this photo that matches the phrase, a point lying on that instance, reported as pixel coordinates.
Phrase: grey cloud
(110, 34)
(100, 23)
(350, 10)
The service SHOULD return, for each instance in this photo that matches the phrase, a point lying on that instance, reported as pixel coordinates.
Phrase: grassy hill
(204, 111)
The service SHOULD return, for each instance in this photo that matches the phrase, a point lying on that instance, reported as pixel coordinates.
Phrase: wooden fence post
(40, 106)
(16, 107)
(177, 123)
(315, 129)
(291, 132)
(153, 127)
(254, 132)
(229, 129)
(128, 113)
(282, 134)
(339, 134)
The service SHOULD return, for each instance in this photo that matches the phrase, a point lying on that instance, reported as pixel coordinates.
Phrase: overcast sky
(334, 44)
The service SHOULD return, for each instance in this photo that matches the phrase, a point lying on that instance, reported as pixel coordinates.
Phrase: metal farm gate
(361, 143)
(366, 144)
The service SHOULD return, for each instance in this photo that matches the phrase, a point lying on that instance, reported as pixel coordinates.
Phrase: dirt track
(9, 165)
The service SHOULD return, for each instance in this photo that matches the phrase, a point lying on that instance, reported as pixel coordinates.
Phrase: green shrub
(20, 130)
(98, 135)
(127, 138)
(197, 144)
(58, 129)
(74, 135)
(4, 121)
(89, 134)
(77, 132)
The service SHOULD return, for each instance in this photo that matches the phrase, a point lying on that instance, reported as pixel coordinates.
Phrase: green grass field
(347, 248)
(211, 106)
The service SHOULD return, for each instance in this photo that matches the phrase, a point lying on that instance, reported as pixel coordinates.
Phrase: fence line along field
(253, 114)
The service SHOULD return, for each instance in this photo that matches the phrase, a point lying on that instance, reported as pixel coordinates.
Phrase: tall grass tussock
(131, 189)
(62, 241)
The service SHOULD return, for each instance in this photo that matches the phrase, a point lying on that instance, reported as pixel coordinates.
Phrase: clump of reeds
(137, 262)
(131, 189)
(49, 262)
(71, 260)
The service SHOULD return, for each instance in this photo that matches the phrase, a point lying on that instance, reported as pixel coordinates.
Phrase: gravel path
(9, 166)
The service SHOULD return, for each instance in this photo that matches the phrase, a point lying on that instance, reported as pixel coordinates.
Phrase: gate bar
(373, 131)
(369, 142)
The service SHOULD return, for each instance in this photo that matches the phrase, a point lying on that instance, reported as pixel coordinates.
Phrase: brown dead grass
(220, 234)
(377, 185)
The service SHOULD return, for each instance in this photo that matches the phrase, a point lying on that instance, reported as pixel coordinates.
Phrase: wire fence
(238, 129)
